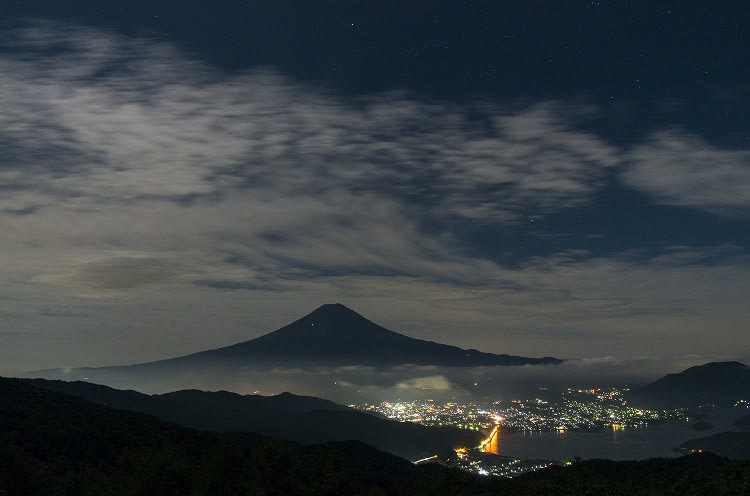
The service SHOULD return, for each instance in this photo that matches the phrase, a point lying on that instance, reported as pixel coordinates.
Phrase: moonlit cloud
(119, 273)
(147, 197)
(436, 382)
(129, 145)
(684, 170)
(121, 119)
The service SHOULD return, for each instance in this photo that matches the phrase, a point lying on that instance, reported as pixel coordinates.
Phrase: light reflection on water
(615, 444)
(648, 442)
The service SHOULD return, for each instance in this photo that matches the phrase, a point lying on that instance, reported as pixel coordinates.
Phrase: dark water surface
(658, 440)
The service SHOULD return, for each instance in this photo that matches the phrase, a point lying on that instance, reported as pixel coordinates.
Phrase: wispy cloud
(118, 273)
(198, 200)
(119, 119)
(677, 168)
(129, 145)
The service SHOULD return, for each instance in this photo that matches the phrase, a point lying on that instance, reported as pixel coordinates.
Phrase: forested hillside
(53, 444)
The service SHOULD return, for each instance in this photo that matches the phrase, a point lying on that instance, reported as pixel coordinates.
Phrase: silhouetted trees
(52, 444)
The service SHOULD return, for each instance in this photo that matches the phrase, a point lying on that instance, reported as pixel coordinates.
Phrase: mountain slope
(301, 419)
(336, 335)
(51, 443)
(720, 383)
(333, 342)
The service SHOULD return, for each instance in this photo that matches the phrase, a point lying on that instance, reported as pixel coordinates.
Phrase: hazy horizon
(358, 383)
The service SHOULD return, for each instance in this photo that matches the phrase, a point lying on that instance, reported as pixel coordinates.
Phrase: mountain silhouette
(56, 443)
(330, 342)
(302, 419)
(717, 383)
(336, 335)
(53, 443)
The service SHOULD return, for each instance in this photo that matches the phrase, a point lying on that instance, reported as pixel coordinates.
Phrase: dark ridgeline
(301, 419)
(716, 383)
(51, 443)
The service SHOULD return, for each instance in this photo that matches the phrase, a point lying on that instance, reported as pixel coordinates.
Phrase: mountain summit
(336, 335)
(298, 356)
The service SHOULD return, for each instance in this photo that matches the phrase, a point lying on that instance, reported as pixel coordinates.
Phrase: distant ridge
(719, 383)
(302, 419)
(55, 443)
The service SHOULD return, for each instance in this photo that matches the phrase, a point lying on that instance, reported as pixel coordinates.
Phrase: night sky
(534, 178)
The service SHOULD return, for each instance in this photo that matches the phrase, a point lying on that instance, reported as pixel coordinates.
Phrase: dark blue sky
(519, 177)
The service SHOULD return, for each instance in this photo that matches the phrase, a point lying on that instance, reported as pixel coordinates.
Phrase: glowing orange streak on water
(489, 445)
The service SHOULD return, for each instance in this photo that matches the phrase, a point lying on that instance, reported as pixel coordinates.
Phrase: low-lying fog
(353, 384)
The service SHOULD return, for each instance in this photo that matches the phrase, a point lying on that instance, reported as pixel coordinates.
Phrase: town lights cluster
(574, 410)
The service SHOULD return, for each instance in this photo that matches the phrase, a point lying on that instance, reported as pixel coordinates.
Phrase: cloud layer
(146, 196)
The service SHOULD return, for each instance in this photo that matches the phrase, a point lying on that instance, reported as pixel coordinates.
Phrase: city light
(584, 409)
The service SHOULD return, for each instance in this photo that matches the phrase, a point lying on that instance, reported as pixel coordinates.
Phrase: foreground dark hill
(54, 444)
(716, 383)
(300, 419)
(335, 335)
